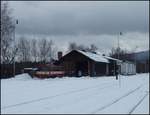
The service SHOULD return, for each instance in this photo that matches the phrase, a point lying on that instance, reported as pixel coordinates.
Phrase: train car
(48, 74)
(48, 71)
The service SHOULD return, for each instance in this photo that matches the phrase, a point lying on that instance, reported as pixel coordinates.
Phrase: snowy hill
(142, 56)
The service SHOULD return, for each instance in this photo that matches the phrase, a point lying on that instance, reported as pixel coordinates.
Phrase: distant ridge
(141, 56)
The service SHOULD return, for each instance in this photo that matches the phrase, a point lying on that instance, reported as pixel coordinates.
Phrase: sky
(85, 22)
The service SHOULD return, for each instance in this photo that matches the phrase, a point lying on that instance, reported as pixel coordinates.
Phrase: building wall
(100, 69)
(74, 60)
(128, 68)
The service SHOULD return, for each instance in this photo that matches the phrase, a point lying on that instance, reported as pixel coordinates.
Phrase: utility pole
(119, 44)
(118, 69)
(135, 61)
(135, 58)
(14, 71)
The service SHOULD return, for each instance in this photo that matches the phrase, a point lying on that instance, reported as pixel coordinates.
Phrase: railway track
(116, 100)
(83, 97)
(57, 95)
(137, 104)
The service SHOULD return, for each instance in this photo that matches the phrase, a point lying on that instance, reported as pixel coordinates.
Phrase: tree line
(34, 50)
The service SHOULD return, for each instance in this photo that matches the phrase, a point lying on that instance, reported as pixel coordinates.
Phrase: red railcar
(48, 74)
(48, 71)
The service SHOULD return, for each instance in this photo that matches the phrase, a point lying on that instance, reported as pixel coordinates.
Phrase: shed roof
(110, 58)
(94, 57)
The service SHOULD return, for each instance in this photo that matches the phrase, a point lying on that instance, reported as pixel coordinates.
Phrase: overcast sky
(85, 22)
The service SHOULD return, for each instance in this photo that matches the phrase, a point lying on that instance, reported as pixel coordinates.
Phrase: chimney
(59, 54)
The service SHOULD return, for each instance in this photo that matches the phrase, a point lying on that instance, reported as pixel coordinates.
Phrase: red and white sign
(49, 73)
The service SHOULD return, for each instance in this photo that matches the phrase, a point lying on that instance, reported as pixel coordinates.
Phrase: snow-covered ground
(23, 94)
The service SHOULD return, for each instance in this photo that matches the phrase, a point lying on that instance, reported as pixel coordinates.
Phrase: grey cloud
(85, 22)
(73, 18)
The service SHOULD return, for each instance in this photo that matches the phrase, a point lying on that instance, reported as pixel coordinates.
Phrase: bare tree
(51, 50)
(34, 49)
(81, 47)
(7, 31)
(72, 46)
(93, 48)
(54, 54)
(45, 50)
(24, 49)
(118, 51)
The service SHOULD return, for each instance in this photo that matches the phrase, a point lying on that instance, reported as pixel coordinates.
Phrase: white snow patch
(24, 76)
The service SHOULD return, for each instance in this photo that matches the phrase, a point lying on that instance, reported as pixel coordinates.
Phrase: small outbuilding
(128, 68)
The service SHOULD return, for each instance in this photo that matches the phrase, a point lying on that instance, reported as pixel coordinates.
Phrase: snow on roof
(107, 57)
(95, 57)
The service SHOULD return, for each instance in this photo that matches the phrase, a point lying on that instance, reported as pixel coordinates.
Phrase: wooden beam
(67, 67)
(88, 67)
(93, 68)
(107, 69)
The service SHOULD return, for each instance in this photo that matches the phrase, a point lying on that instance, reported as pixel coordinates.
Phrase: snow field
(75, 95)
